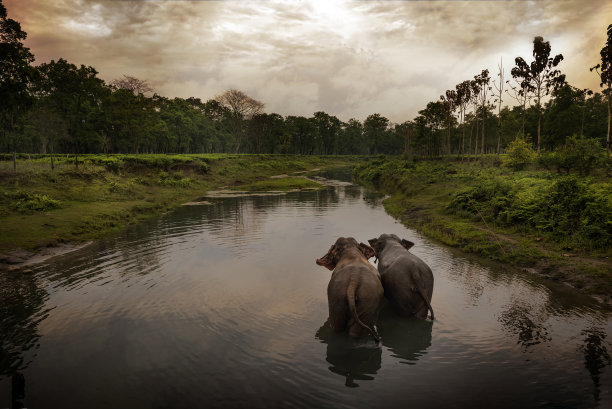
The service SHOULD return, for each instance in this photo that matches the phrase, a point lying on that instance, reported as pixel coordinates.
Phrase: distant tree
(133, 84)
(604, 70)
(302, 131)
(48, 124)
(73, 92)
(483, 80)
(450, 102)
(328, 127)
(15, 77)
(241, 107)
(351, 139)
(463, 97)
(499, 88)
(539, 77)
(475, 93)
(374, 128)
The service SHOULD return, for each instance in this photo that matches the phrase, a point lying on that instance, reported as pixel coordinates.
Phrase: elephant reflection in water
(359, 360)
(407, 338)
(355, 360)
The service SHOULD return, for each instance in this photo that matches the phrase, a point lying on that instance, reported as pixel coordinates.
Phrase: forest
(58, 107)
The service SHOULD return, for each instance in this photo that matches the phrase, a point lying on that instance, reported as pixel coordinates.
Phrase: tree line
(58, 107)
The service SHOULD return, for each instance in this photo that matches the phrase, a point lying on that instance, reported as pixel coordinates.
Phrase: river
(221, 305)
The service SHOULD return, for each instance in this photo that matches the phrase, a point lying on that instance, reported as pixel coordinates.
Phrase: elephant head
(379, 244)
(334, 254)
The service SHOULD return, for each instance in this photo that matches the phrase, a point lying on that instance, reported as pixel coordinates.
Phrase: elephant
(355, 290)
(406, 279)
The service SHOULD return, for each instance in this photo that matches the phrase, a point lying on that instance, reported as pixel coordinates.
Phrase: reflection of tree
(21, 310)
(526, 322)
(596, 356)
(350, 358)
(408, 339)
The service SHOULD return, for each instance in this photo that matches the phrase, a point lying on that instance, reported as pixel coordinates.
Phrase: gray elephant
(354, 291)
(407, 280)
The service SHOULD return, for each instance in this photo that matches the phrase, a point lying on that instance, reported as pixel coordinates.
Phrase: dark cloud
(348, 58)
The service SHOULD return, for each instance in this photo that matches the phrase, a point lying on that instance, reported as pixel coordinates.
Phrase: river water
(221, 305)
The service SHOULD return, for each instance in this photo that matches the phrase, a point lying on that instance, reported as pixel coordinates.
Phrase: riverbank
(557, 226)
(44, 210)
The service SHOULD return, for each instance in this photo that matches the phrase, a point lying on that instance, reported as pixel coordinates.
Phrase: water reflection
(352, 359)
(526, 323)
(407, 339)
(596, 356)
(22, 308)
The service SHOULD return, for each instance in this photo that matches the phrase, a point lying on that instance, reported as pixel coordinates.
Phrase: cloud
(348, 58)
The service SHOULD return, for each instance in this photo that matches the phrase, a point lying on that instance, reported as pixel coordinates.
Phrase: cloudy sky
(347, 58)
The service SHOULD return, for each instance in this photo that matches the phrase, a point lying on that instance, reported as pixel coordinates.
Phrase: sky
(347, 58)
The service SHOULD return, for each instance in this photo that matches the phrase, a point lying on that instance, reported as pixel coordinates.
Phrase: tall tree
(483, 98)
(463, 95)
(499, 88)
(540, 76)
(450, 100)
(604, 69)
(241, 107)
(374, 128)
(73, 92)
(15, 77)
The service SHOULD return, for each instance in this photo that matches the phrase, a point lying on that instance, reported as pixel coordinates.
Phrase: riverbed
(220, 304)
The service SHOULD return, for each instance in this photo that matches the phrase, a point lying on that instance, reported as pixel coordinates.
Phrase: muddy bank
(22, 260)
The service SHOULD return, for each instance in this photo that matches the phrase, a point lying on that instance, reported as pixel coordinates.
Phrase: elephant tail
(350, 295)
(424, 296)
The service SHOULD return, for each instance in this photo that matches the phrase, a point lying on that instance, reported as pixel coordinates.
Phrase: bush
(577, 153)
(520, 154)
(33, 202)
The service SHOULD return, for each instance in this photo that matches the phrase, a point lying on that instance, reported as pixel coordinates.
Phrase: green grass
(40, 207)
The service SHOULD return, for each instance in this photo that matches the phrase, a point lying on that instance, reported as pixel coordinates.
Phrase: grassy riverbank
(40, 207)
(556, 225)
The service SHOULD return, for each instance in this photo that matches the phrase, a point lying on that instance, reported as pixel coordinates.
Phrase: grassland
(559, 226)
(106, 193)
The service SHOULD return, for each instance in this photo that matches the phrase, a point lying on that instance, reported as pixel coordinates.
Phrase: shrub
(520, 154)
(33, 202)
(578, 153)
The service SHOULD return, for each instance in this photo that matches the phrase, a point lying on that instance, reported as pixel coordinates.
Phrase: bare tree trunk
(476, 140)
(470, 143)
(52, 164)
(608, 136)
(482, 149)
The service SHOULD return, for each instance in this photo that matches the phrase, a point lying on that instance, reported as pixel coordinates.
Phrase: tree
(241, 107)
(133, 84)
(463, 97)
(328, 127)
(604, 70)
(483, 82)
(15, 77)
(539, 77)
(450, 102)
(374, 128)
(74, 93)
(499, 87)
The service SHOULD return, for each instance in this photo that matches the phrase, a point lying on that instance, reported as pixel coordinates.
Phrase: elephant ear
(367, 251)
(407, 244)
(328, 260)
